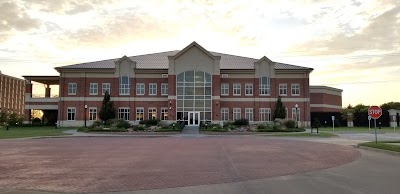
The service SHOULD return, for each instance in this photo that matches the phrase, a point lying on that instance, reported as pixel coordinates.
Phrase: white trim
(291, 89)
(115, 99)
(90, 88)
(42, 107)
(97, 113)
(264, 99)
(144, 89)
(152, 84)
(161, 89)
(29, 99)
(245, 89)
(325, 106)
(76, 88)
(279, 90)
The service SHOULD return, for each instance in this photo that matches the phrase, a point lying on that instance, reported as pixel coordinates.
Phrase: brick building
(12, 94)
(190, 85)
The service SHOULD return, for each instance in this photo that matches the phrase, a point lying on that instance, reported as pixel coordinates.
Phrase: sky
(352, 45)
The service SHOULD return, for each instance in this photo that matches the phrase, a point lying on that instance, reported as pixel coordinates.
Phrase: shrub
(139, 128)
(109, 122)
(241, 122)
(122, 124)
(261, 126)
(97, 123)
(177, 125)
(36, 120)
(151, 122)
(316, 122)
(290, 124)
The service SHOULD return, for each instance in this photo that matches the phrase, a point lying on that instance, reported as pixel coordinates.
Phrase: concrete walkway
(190, 130)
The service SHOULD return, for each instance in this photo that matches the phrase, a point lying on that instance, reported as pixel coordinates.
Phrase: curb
(378, 150)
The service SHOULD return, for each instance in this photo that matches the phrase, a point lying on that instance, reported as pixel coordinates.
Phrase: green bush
(123, 124)
(139, 128)
(109, 122)
(36, 120)
(177, 126)
(151, 122)
(241, 122)
(290, 123)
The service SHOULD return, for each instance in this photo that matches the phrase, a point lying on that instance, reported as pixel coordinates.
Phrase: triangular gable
(264, 58)
(124, 58)
(194, 44)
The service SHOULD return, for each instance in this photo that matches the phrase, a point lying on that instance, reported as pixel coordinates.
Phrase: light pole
(296, 106)
(85, 114)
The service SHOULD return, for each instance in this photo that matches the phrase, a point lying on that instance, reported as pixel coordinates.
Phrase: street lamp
(85, 114)
(296, 106)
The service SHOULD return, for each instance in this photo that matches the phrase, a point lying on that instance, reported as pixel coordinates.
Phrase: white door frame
(192, 118)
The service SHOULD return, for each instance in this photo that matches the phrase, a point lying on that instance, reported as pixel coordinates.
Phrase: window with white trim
(236, 89)
(248, 114)
(105, 87)
(282, 89)
(93, 89)
(294, 114)
(265, 114)
(236, 114)
(152, 114)
(71, 88)
(224, 89)
(295, 89)
(139, 114)
(92, 113)
(164, 89)
(140, 89)
(153, 89)
(224, 114)
(164, 114)
(123, 113)
(124, 85)
(265, 86)
(71, 113)
(249, 89)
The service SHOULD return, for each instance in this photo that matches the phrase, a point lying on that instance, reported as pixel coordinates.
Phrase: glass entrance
(193, 118)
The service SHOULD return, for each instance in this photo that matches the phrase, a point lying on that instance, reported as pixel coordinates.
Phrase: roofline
(326, 88)
(194, 43)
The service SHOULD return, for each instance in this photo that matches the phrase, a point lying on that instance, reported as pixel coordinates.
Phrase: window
(164, 89)
(224, 89)
(139, 114)
(71, 112)
(224, 114)
(295, 89)
(123, 113)
(294, 114)
(249, 89)
(152, 89)
(249, 114)
(236, 114)
(265, 114)
(265, 87)
(93, 89)
(236, 90)
(139, 89)
(164, 114)
(124, 85)
(282, 89)
(71, 88)
(92, 113)
(152, 114)
(105, 87)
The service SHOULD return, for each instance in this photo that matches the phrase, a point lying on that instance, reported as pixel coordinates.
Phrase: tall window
(92, 113)
(93, 89)
(71, 88)
(164, 89)
(294, 114)
(249, 89)
(236, 90)
(249, 114)
(164, 114)
(124, 85)
(139, 114)
(139, 89)
(283, 89)
(265, 86)
(105, 87)
(224, 89)
(265, 114)
(123, 113)
(152, 114)
(71, 112)
(236, 114)
(295, 89)
(153, 89)
(224, 114)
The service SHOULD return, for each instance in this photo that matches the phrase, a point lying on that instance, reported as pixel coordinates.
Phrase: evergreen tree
(107, 109)
(280, 110)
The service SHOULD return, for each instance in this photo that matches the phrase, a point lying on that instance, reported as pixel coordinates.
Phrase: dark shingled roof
(160, 61)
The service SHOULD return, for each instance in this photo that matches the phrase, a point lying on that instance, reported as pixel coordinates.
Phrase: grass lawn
(320, 134)
(18, 132)
(385, 145)
(360, 129)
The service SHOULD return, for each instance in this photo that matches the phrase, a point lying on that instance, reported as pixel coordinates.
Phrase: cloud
(69, 7)
(13, 17)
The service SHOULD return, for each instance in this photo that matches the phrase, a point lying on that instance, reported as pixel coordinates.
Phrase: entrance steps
(190, 130)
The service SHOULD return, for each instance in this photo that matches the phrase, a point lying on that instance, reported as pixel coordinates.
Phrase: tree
(316, 123)
(107, 108)
(3, 117)
(280, 110)
(390, 105)
(348, 114)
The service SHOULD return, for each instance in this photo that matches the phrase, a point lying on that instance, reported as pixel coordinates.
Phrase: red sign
(375, 112)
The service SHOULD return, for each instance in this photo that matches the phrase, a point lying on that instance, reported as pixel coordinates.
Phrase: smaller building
(325, 102)
(12, 92)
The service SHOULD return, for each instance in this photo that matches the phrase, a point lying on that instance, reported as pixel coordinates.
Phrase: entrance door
(193, 118)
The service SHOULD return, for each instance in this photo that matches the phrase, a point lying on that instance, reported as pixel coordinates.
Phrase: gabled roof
(160, 61)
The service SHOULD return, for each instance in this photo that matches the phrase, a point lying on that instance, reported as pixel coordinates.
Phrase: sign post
(375, 112)
(333, 123)
(369, 123)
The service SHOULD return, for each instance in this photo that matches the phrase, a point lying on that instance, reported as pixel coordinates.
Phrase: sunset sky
(352, 45)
